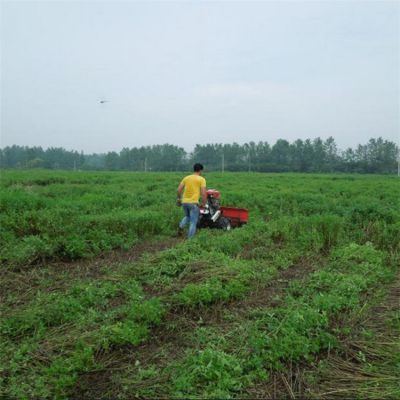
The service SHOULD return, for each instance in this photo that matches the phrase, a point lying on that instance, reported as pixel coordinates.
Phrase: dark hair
(197, 167)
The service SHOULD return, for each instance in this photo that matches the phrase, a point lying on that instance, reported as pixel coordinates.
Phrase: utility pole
(249, 161)
(398, 157)
(398, 162)
(223, 163)
(145, 164)
(74, 165)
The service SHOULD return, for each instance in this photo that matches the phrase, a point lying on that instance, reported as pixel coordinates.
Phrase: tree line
(317, 155)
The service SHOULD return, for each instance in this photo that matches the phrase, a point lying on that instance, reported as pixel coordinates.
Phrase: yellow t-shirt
(192, 183)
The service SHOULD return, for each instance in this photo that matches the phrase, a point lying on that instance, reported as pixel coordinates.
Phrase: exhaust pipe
(216, 216)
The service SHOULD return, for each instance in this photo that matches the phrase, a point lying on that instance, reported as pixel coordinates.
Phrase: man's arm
(203, 196)
(179, 191)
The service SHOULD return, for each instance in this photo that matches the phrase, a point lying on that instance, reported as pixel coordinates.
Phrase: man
(193, 187)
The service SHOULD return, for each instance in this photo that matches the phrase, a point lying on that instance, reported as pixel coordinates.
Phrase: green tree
(112, 161)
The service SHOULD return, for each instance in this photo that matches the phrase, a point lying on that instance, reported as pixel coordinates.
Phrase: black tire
(225, 224)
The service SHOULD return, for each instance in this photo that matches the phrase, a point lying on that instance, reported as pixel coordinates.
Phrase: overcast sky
(198, 72)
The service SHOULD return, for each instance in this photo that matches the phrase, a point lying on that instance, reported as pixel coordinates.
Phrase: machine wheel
(225, 224)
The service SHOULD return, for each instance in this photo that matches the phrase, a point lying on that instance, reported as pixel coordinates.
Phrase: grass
(220, 316)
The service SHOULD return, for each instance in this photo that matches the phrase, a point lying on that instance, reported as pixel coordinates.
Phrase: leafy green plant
(208, 373)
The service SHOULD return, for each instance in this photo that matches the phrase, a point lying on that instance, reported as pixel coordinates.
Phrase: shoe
(180, 232)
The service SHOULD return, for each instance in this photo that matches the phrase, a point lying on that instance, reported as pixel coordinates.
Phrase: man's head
(198, 168)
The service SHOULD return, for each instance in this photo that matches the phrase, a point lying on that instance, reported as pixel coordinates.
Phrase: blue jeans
(192, 212)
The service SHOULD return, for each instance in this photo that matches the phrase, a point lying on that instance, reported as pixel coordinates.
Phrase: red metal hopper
(237, 216)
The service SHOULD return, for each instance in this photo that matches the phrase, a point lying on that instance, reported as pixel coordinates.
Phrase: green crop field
(99, 299)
